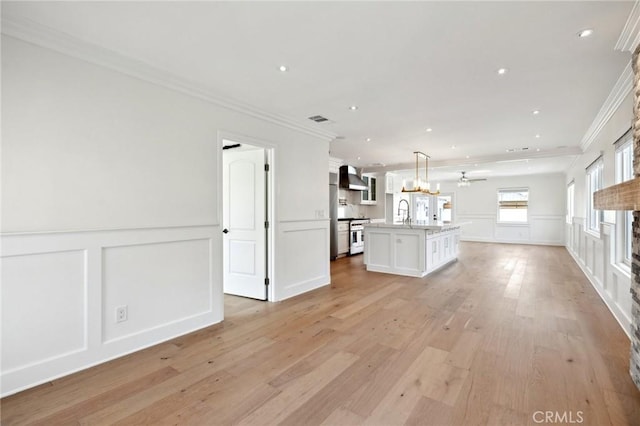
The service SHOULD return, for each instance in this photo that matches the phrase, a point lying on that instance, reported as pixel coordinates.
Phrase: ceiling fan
(465, 181)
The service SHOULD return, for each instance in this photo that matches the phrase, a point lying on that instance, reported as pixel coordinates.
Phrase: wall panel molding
(541, 230)
(169, 278)
(302, 264)
(595, 257)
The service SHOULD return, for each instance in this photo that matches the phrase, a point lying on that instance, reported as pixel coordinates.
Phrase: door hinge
(266, 281)
(266, 167)
(266, 224)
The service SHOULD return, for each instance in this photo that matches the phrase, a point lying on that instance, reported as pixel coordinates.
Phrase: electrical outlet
(122, 313)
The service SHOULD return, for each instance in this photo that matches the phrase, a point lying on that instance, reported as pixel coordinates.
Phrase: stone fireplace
(635, 289)
(626, 196)
(635, 265)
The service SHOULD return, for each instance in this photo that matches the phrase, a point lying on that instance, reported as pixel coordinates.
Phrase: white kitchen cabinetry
(442, 248)
(434, 252)
(343, 238)
(413, 251)
(389, 183)
(368, 196)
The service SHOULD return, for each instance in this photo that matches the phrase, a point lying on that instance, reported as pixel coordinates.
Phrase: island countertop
(436, 228)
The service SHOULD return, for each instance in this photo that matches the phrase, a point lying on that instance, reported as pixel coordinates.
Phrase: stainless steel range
(356, 231)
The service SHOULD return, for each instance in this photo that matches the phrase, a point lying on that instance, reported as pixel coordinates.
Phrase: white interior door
(244, 253)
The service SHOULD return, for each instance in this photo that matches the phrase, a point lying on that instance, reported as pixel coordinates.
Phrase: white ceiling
(408, 66)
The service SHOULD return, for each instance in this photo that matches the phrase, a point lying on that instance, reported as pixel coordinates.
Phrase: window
(513, 205)
(444, 208)
(571, 191)
(624, 172)
(594, 183)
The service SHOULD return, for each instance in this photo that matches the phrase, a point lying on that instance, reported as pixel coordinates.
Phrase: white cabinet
(389, 183)
(434, 252)
(410, 251)
(343, 238)
(442, 248)
(368, 196)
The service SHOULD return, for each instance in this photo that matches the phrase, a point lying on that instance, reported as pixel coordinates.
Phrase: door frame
(269, 149)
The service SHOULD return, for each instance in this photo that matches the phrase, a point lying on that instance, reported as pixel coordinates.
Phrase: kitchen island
(411, 250)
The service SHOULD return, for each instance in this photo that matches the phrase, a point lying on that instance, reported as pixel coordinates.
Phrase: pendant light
(417, 185)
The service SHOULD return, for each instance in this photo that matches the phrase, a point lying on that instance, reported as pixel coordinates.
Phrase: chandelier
(418, 185)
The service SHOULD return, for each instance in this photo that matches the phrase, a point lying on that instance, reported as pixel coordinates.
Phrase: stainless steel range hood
(350, 180)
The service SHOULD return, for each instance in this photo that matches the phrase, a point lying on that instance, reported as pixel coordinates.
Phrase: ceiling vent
(517, 149)
(318, 118)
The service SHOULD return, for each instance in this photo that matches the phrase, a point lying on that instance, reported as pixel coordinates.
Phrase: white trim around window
(594, 176)
(513, 206)
(624, 219)
(571, 200)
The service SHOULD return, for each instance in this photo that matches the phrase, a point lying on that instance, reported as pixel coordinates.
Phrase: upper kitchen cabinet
(368, 196)
(390, 183)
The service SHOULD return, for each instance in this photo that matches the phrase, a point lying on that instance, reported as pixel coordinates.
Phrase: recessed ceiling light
(429, 129)
(502, 71)
(538, 149)
(538, 136)
(585, 33)
(353, 107)
(283, 68)
(467, 156)
(368, 139)
(453, 147)
(358, 158)
(536, 111)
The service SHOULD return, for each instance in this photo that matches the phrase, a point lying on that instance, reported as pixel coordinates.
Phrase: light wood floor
(489, 340)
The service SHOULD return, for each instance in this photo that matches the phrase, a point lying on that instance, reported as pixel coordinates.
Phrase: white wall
(477, 205)
(111, 197)
(596, 253)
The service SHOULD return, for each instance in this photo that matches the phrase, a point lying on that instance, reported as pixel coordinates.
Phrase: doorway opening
(246, 206)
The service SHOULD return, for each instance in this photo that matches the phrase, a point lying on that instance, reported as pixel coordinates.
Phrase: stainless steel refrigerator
(333, 215)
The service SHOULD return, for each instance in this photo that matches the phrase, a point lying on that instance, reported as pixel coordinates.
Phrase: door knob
(225, 230)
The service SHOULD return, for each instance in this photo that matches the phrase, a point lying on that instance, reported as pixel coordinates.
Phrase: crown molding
(43, 36)
(630, 35)
(470, 162)
(619, 92)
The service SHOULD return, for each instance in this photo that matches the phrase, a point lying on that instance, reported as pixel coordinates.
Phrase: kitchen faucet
(408, 218)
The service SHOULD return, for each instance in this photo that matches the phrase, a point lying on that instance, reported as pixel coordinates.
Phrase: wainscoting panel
(158, 283)
(477, 227)
(302, 263)
(541, 229)
(60, 292)
(595, 254)
(513, 233)
(548, 229)
(52, 323)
